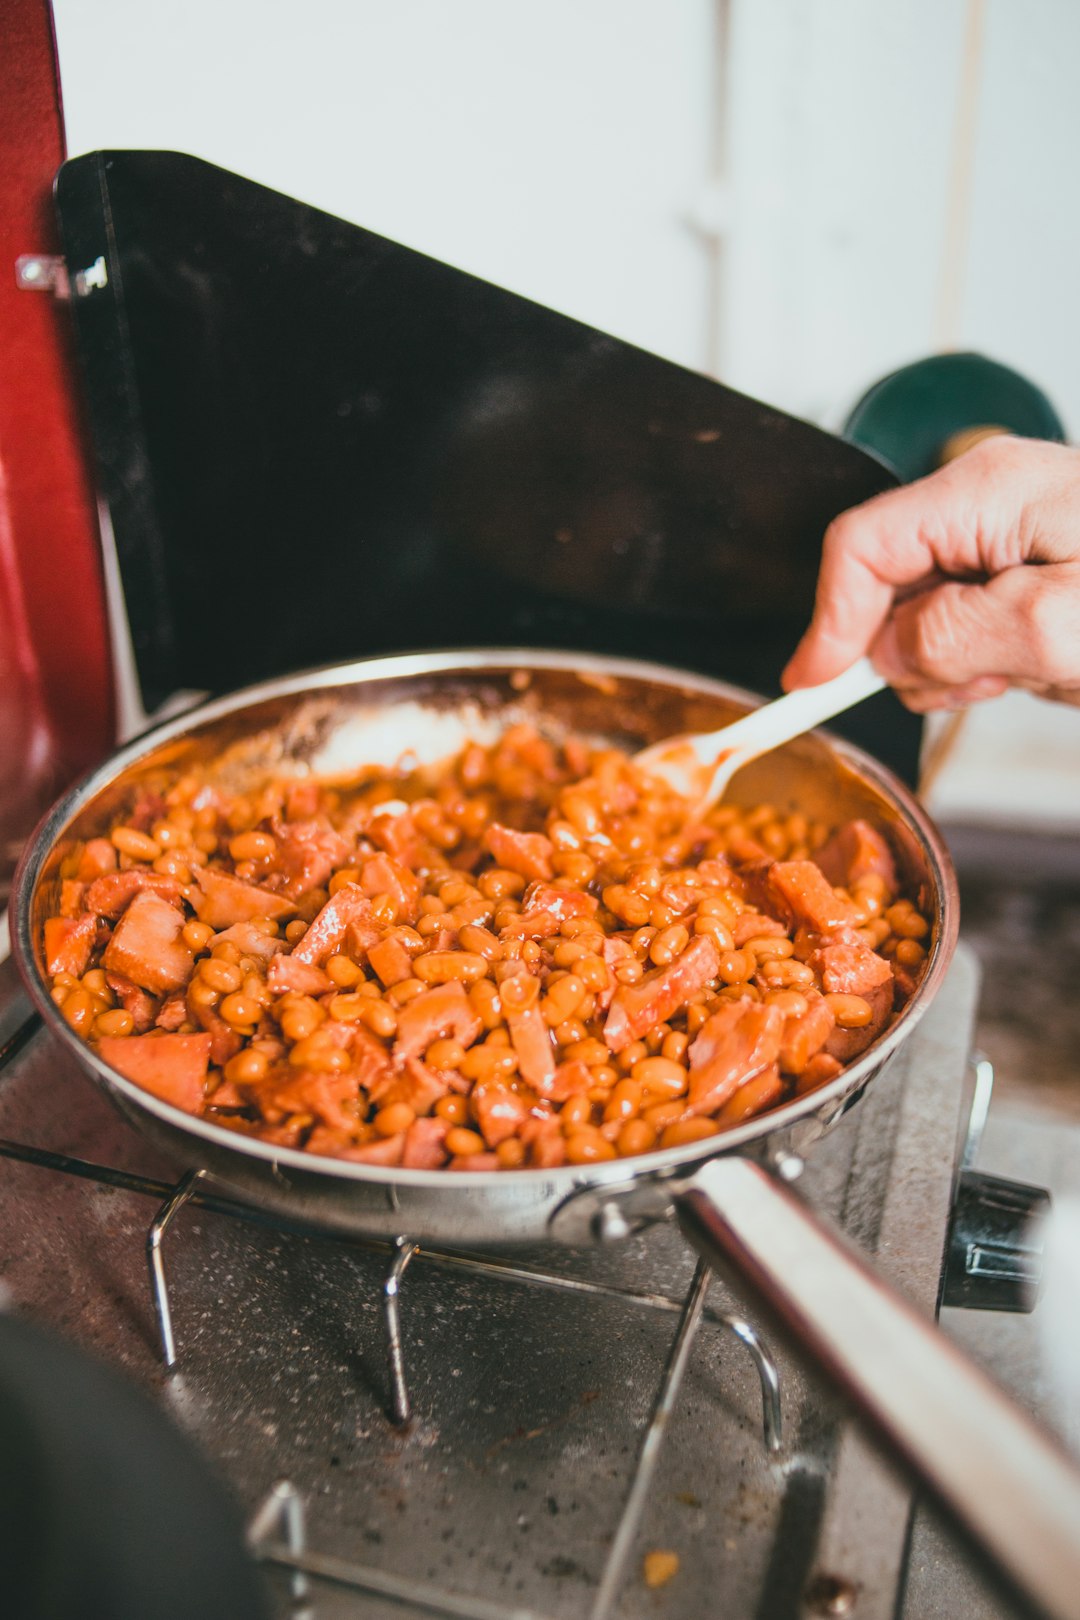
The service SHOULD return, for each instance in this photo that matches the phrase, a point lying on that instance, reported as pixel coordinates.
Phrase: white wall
(883, 180)
(555, 149)
(1021, 274)
(903, 180)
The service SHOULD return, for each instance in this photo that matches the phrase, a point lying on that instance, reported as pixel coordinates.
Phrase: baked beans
(531, 957)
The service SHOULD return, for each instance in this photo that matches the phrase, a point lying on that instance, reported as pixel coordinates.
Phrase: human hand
(959, 585)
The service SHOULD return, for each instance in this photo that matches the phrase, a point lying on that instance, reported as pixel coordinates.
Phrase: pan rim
(565, 1178)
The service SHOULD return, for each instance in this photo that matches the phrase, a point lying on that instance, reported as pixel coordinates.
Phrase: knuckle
(837, 540)
(999, 453)
(1051, 639)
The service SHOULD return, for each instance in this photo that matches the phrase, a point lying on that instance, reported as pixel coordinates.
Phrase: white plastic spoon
(700, 766)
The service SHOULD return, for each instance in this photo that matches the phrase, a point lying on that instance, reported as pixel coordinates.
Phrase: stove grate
(277, 1529)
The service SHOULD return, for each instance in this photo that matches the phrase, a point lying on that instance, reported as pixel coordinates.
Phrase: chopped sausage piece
(148, 808)
(290, 973)
(536, 924)
(172, 1012)
(737, 1042)
(754, 925)
(390, 960)
(98, 856)
(295, 1131)
(615, 950)
(544, 1139)
(172, 1067)
(474, 1161)
(445, 1009)
(751, 882)
(226, 1095)
(146, 945)
(559, 902)
(857, 851)
(225, 1041)
(332, 1098)
(680, 893)
(344, 1035)
(805, 1035)
(371, 1066)
(250, 940)
(400, 837)
(716, 872)
(424, 1145)
(905, 982)
(532, 749)
(818, 1072)
(327, 933)
(221, 899)
(418, 1085)
(143, 1008)
(571, 1079)
(531, 1040)
(382, 875)
(302, 799)
(364, 931)
(528, 854)
(499, 1111)
(71, 897)
(752, 1098)
(109, 895)
(802, 890)
(637, 1008)
(847, 966)
(847, 1044)
(386, 1150)
(307, 854)
(318, 1138)
(69, 942)
(746, 852)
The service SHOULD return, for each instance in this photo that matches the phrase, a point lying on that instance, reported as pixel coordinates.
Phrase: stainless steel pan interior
(1008, 1482)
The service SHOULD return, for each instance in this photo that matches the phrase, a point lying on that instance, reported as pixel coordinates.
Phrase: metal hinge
(47, 272)
(42, 272)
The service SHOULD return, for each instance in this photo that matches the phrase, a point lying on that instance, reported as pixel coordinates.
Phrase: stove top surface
(533, 1377)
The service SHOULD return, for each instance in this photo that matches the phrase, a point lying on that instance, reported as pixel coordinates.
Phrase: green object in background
(913, 418)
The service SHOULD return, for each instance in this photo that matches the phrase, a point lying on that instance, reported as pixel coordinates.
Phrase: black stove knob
(993, 1261)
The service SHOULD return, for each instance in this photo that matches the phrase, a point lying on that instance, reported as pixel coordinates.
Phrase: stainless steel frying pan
(1011, 1485)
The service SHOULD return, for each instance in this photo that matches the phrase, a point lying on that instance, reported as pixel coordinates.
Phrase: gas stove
(417, 1431)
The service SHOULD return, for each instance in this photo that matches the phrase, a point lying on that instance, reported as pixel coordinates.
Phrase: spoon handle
(790, 716)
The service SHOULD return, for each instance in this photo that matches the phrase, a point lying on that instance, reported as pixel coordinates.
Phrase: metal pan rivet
(610, 1225)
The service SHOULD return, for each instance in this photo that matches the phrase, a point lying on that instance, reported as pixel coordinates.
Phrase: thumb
(1014, 625)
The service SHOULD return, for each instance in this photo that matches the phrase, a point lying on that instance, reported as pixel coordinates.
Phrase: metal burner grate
(283, 1509)
(453, 1476)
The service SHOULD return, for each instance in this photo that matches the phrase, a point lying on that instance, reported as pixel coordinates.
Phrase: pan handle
(1013, 1487)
